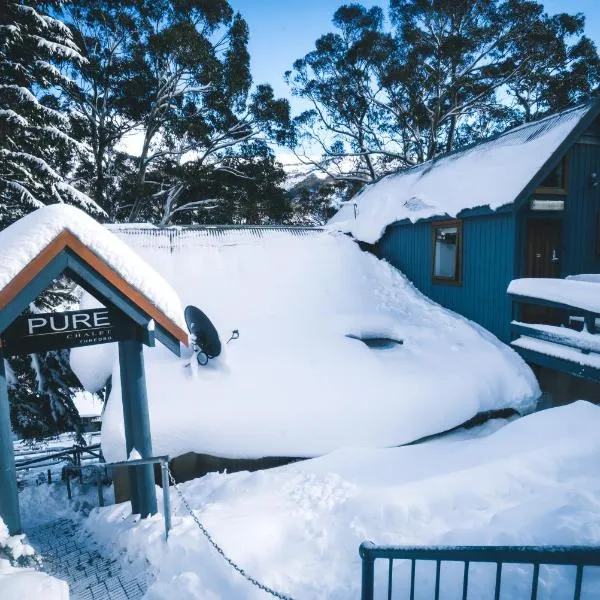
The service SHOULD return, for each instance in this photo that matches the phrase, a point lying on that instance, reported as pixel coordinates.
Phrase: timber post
(9, 499)
(137, 425)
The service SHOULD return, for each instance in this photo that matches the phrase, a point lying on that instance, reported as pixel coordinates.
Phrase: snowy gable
(30, 243)
(490, 174)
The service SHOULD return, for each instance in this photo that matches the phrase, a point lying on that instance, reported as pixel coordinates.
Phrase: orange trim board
(67, 240)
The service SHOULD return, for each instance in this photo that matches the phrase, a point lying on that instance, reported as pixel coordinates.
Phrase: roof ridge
(432, 161)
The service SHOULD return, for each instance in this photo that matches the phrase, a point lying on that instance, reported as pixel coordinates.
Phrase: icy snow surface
(24, 240)
(591, 277)
(17, 583)
(583, 294)
(535, 481)
(490, 174)
(294, 384)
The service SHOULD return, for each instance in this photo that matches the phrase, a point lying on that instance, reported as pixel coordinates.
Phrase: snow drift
(534, 481)
(295, 383)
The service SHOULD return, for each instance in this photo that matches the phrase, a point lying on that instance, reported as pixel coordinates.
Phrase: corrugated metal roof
(197, 236)
(492, 173)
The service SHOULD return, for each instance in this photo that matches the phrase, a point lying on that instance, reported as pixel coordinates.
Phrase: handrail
(579, 556)
(164, 465)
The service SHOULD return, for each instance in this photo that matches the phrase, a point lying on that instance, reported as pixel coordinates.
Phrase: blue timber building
(464, 259)
(525, 203)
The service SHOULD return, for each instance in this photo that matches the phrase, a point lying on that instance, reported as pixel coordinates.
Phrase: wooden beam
(66, 240)
(558, 364)
(567, 337)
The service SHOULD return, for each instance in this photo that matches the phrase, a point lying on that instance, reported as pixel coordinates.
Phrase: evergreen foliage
(36, 146)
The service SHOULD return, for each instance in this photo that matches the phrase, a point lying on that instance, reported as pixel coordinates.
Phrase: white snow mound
(294, 383)
(535, 481)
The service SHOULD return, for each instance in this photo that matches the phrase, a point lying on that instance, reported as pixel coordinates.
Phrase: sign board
(53, 331)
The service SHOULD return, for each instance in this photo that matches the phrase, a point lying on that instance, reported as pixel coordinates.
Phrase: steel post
(164, 465)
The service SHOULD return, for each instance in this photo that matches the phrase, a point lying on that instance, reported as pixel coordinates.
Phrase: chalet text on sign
(54, 331)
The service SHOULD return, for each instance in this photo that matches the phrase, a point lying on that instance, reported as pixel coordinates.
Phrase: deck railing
(577, 556)
(572, 346)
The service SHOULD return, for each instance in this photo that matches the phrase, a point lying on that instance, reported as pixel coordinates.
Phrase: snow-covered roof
(25, 240)
(491, 174)
(581, 294)
(295, 383)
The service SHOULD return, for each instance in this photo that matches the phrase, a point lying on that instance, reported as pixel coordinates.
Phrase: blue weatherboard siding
(487, 267)
(580, 221)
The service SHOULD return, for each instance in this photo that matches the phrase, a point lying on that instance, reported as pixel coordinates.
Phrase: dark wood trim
(459, 245)
(558, 191)
(66, 240)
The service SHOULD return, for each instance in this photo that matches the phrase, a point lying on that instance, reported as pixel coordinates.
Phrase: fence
(43, 459)
(578, 556)
(177, 239)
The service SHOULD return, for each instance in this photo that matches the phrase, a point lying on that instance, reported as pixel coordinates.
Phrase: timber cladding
(67, 241)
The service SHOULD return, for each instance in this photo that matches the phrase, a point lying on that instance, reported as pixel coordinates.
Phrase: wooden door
(543, 248)
(543, 254)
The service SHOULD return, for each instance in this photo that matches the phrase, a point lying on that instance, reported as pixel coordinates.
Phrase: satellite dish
(205, 339)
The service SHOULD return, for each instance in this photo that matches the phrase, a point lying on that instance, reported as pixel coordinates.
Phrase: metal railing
(102, 471)
(577, 556)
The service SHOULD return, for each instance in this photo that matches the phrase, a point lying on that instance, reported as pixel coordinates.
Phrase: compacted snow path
(70, 553)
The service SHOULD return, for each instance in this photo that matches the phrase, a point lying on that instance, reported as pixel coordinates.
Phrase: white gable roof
(491, 174)
(22, 241)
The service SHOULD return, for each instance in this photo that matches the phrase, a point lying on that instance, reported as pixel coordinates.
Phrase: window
(556, 180)
(447, 245)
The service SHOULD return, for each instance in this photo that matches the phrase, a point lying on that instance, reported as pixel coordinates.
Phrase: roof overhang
(66, 254)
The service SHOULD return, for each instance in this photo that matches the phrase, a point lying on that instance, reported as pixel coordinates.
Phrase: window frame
(435, 225)
(564, 190)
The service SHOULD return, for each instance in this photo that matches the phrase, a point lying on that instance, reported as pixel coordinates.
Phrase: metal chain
(218, 548)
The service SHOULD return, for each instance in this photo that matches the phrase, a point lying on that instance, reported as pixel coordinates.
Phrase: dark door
(543, 248)
(543, 256)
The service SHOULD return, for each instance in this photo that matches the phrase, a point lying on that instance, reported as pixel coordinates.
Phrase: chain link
(218, 548)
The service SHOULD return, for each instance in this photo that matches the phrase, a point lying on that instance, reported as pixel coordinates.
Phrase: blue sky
(283, 30)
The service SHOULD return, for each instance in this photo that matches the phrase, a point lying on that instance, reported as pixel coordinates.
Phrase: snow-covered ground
(20, 583)
(533, 480)
(296, 383)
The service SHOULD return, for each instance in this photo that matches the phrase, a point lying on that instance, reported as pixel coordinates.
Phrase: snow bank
(295, 384)
(24, 240)
(491, 174)
(591, 277)
(297, 528)
(583, 294)
(17, 583)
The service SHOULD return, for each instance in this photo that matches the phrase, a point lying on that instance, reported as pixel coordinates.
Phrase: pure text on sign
(53, 331)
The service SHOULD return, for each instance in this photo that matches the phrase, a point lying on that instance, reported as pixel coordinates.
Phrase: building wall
(580, 221)
(487, 267)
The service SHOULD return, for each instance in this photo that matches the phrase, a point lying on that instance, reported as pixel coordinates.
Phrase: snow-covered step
(70, 554)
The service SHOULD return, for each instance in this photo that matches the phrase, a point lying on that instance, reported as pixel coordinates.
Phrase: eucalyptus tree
(191, 97)
(436, 75)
